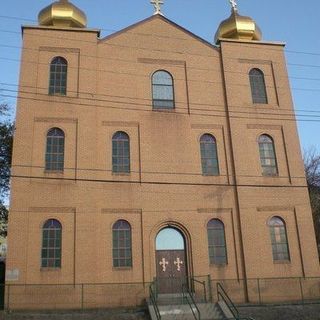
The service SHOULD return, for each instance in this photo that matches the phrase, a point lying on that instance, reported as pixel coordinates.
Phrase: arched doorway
(171, 262)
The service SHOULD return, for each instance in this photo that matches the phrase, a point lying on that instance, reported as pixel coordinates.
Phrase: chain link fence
(79, 296)
(111, 295)
(270, 290)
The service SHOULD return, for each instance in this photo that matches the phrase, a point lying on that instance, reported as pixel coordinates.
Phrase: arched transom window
(258, 86)
(122, 249)
(58, 76)
(267, 156)
(216, 242)
(209, 155)
(51, 244)
(120, 152)
(279, 241)
(55, 150)
(162, 90)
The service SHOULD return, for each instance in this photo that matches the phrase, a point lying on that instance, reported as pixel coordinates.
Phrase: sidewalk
(110, 314)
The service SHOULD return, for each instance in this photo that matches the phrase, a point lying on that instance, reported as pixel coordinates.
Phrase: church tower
(154, 156)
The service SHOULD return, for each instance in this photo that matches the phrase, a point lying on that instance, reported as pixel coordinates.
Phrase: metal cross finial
(234, 5)
(157, 6)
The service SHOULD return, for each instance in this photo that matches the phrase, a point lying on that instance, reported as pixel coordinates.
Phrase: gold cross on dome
(157, 6)
(164, 264)
(234, 4)
(178, 263)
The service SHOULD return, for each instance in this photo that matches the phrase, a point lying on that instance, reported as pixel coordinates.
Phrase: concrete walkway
(110, 314)
(282, 312)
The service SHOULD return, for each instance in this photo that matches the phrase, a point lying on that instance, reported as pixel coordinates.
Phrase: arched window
(258, 86)
(209, 155)
(51, 244)
(120, 152)
(55, 150)
(58, 76)
(162, 90)
(267, 156)
(279, 241)
(121, 237)
(216, 242)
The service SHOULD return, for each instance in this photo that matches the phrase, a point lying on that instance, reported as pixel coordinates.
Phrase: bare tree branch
(312, 168)
(6, 138)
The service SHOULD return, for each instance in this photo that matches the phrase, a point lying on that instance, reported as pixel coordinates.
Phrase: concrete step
(208, 311)
(175, 299)
(170, 299)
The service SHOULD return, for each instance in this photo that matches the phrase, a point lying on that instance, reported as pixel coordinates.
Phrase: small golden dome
(238, 27)
(62, 14)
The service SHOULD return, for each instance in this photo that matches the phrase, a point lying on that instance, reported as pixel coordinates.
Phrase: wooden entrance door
(171, 270)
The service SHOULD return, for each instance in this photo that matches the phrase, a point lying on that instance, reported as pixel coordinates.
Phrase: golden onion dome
(238, 27)
(62, 14)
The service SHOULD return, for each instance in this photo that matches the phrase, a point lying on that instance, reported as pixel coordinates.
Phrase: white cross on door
(164, 264)
(178, 263)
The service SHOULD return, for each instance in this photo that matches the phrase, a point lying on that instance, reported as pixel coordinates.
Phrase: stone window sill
(282, 262)
(220, 265)
(50, 269)
(121, 173)
(170, 110)
(122, 268)
(53, 171)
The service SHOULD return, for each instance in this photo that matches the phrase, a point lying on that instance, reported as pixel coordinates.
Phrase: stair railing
(190, 300)
(222, 294)
(153, 300)
(203, 284)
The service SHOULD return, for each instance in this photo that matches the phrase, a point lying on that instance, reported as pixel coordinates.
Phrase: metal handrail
(188, 294)
(154, 302)
(203, 283)
(246, 318)
(223, 294)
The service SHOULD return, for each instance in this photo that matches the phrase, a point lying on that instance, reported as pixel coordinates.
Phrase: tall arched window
(279, 241)
(209, 155)
(55, 150)
(267, 156)
(51, 244)
(162, 90)
(120, 152)
(258, 86)
(58, 76)
(216, 242)
(122, 248)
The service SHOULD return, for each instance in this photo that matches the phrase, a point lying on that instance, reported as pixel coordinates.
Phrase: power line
(164, 209)
(275, 115)
(100, 29)
(17, 18)
(137, 62)
(156, 35)
(148, 34)
(148, 76)
(158, 182)
(151, 110)
(134, 61)
(261, 107)
(160, 172)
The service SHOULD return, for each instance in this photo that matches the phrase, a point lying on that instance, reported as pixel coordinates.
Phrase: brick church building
(153, 154)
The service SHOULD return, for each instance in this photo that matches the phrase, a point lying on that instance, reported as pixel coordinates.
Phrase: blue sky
(294, 22)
